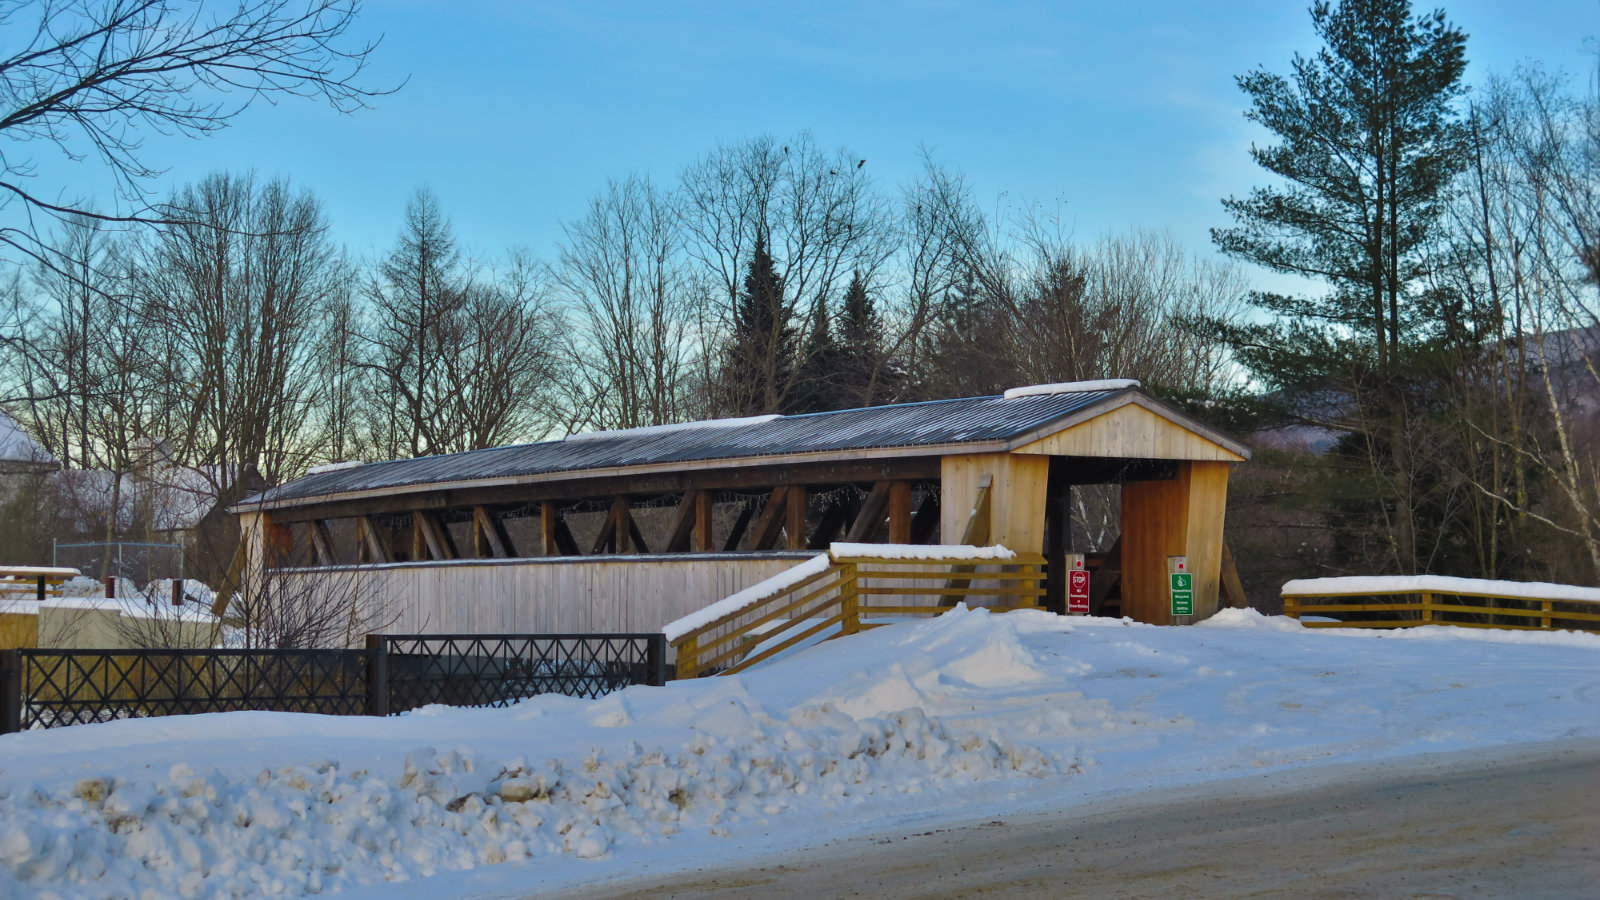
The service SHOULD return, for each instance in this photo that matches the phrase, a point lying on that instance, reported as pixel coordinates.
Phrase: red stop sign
(1078, 592)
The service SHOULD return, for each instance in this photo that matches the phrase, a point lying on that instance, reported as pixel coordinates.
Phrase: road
(1519, 821)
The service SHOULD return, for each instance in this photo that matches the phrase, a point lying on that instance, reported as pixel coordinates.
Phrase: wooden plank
(419, 538)
(547, 528)
(607, 541)
(322, 542)
(975, 533)
(900, 512)
(377, 548)
(768, 527)
(494, 537)
(704, 540)
(1232, 587)
(740, 524)
(871, 514)
(833, 519)
(1134, 432)
(683, 523)
(794, 526)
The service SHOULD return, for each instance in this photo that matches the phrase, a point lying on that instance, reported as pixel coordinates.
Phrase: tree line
(1427, 404)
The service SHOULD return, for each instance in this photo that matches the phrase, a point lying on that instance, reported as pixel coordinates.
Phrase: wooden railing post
(688, 665)
(1544, 615)
(1427, 607)
(849, 598)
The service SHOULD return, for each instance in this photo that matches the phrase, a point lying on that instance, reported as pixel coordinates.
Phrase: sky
(1110, 115)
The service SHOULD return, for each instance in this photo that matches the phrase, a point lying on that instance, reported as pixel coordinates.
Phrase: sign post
(1182, 585)
(1077, 586)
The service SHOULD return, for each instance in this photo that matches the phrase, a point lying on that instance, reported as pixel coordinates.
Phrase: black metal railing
(498, 670)
(393, 673)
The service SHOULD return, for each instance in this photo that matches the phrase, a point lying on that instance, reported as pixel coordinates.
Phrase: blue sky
(1114, 114)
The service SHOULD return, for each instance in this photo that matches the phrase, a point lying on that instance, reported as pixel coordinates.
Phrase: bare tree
(622, 274)
(814, 212)
(243, 292)
(89, 78)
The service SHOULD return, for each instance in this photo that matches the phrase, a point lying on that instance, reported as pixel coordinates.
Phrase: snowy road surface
(1522, 824)
(904, 729)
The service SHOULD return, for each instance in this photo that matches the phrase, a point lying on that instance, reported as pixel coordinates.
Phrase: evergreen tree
(817, 385)
(758, 368)
(864, 379)
(1369, 140)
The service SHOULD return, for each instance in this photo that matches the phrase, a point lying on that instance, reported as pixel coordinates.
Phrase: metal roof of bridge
(938, 423)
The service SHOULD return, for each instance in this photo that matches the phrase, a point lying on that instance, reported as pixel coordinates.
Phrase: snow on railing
(1404, 601)
(831, 591)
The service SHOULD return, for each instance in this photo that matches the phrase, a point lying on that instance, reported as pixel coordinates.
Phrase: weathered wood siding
(548, 595)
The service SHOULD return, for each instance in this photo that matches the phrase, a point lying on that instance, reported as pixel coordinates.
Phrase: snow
(751, 595)
(334, 467)
(968, 715)
(17, 446)
(653, 430)
(1071, 387)
(36, 571)
(1363, 585)
(921, 551)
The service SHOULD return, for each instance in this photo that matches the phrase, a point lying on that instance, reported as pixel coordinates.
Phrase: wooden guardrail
(837, 589)
(1408, 601)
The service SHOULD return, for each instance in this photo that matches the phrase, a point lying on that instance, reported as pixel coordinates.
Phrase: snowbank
(967, 715)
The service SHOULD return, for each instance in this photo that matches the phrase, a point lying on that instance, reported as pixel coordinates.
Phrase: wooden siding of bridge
(555, 595)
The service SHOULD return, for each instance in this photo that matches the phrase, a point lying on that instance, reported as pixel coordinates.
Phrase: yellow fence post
(849, 598)
(688, 666)
(1427, 607)
(1544, 615)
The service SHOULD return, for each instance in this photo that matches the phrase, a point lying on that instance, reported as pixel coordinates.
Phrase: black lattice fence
(51, 688)
(498, 670)
(72, 687)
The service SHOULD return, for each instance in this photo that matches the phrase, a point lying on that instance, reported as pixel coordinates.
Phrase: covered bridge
(628, 530)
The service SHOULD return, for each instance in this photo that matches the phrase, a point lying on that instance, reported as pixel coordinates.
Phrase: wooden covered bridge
(629, 530)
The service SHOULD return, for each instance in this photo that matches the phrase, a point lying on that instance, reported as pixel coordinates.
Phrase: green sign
(1182, 594)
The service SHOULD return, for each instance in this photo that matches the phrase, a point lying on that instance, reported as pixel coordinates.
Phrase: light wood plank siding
(605, 594)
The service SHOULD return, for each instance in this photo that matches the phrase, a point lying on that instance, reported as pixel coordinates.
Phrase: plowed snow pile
(955, 716)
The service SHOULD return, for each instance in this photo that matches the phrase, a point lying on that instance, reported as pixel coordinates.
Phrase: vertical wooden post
(900, 512)
(704, 540)
(1544, 615)
(547, 527)
(849, 599)
(688, 658)
(1427, 607)
(419, 540)
(620, 519)
(794, 526)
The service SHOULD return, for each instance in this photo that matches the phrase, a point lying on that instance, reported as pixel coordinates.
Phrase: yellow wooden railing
(1436, 600)
(839, 591)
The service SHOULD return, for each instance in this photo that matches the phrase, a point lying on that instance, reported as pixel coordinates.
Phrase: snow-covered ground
(915, 723)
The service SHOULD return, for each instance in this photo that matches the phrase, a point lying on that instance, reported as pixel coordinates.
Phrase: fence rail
(1407, 602)
(781, 613)
(392, 674)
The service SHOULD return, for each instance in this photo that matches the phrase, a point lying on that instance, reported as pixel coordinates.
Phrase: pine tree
(758, 368)
(864, 379)
(1369, 140)
(817, 384)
